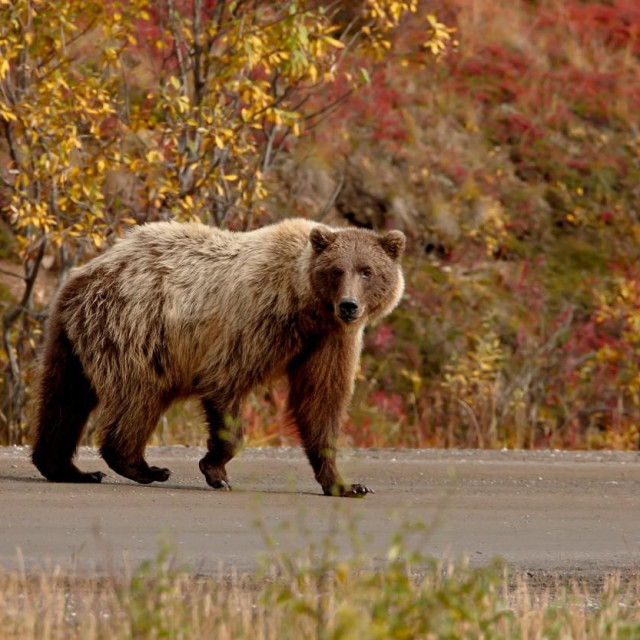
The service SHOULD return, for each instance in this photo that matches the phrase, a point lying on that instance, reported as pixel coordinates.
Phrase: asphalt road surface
(552, 512)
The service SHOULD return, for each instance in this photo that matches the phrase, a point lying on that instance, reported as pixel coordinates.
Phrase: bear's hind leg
(65, 400)
(124, 438)
(225, 439)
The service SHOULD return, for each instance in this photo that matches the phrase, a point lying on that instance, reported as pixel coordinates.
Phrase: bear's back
(215, 300)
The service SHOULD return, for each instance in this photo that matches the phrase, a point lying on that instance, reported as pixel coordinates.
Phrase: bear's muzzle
(349, 310)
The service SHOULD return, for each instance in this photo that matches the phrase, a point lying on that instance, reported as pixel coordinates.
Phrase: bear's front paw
(348, 491)
(93, 476)
(356, 491)
(219, 485)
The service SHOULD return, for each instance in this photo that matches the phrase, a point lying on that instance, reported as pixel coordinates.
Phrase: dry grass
(315, 596)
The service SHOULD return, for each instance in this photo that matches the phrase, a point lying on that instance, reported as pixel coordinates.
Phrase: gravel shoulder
(550, 514)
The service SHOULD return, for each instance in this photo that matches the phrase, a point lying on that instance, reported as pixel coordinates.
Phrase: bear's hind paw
(159, 474)
(215, 475)
(73, 474)
(92, 477)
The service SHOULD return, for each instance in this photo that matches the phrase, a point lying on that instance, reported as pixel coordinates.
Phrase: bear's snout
(348, 310)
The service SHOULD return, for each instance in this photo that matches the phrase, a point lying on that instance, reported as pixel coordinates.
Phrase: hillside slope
(514, 165)
(512, 162)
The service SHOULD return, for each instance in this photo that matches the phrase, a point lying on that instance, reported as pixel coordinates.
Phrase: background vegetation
(508, 150)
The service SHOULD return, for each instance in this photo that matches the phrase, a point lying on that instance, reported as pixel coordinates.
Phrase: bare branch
(198, 49)
(11, 316)
(11, 274)
(13, 152)
(266, 158)
(334, 196)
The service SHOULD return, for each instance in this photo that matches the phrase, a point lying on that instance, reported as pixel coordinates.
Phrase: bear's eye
(366, 273)
(337, 273)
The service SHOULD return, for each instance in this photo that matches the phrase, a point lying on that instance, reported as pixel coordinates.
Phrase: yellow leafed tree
(117, 113)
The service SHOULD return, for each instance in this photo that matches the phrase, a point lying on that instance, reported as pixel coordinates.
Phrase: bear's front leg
(225, 440)
(320, 387)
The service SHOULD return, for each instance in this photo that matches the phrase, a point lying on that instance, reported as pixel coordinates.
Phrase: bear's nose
(347, 309)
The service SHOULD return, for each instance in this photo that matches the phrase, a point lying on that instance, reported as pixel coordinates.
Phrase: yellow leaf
(153, 155)
(332, 41)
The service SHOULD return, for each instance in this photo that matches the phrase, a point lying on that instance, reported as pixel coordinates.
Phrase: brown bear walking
(176, 310)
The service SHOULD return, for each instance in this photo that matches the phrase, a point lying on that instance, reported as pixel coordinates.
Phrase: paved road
(550, 512)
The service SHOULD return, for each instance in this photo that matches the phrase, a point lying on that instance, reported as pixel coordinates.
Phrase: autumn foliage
(505, 144)
(117, 113)
(518, 173)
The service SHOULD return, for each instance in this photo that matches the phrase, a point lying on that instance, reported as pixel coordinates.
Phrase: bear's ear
(393, 244)
(321, 238)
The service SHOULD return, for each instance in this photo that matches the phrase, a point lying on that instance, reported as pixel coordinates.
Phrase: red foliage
(383, 338)
(391, 403)
(376, 109)
(495, 73)
(616, 23)
(519, 129)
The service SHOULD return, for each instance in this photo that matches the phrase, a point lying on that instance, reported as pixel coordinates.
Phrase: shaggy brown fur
(177, 310)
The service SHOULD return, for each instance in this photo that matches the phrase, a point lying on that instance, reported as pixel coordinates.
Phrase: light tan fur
(176, 310)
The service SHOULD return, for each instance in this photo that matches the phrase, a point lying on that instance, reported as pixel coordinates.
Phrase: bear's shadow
(166, 486)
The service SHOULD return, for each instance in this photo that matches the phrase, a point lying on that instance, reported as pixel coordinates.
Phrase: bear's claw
(356, 491)
(220, 485)
(93, 476)
(349, 491)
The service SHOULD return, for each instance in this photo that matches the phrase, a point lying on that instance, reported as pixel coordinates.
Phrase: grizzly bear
(181, 309)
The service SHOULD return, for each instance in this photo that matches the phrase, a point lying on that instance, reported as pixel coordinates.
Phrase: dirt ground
(548, 513)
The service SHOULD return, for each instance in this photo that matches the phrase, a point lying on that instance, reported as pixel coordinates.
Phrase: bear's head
(356, 272)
